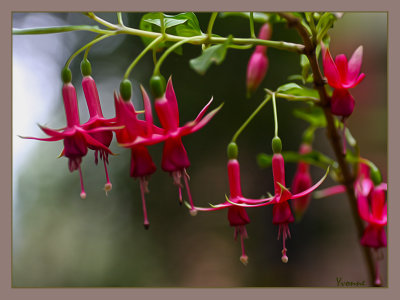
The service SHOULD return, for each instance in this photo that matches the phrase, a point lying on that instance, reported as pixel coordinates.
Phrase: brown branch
(332, 134)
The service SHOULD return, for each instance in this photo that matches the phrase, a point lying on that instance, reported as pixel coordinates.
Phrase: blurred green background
(60, 240)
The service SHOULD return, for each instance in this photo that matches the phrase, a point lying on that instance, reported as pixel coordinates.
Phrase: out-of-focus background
(60, 240)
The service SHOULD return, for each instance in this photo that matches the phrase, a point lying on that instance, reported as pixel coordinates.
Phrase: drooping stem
(211, 23)
(332, 134)
(252, 34)
(256, 111)
(149, 46)
(275, 114)
(119, 17)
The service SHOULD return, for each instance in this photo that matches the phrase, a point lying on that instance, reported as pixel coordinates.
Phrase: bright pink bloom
(237, 215)
(342, 75)
(77, 140)
(301, 182)
(258, 63)
(175, 159)
(282, 215)
(142, 132)
(97, 120)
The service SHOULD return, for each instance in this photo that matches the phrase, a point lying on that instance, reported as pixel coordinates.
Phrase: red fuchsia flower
(97, 120)
(77, 140)
(237, 215)
(258, 63)
(342, 75)
(281, 212)
(175, 159)
(143, 132)
(301, 182)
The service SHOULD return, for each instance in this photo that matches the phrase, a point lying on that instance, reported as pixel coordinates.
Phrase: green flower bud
(233, 150)
(125, 88)
(86, 67)
(157, 85)
(66, 75)
(276, 145)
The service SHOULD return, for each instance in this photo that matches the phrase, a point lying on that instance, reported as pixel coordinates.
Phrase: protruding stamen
(284, 228)
(83, 194)
(377, 281)
(284, 257)
(143, 185)
(241, 230)
(108, 185)
(193, 211)
(177, 175)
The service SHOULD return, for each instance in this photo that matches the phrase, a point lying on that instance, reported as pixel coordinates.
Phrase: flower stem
(88, 45)
(133, 64)
(252, 34)
(275, 114)
(256, 111)
(59, 29)
(168, 51)
(119, 17)
(211, 23)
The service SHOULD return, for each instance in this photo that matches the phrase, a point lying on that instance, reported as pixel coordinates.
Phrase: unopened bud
(125, 89)
(232, 150)
(276, 145)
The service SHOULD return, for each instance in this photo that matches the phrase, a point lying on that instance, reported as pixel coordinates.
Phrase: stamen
(193, 211)
(177, 181)
(143, 185)
(108, 185)
(83, 194)
(243, 234)
(377, 281)
(285, 234)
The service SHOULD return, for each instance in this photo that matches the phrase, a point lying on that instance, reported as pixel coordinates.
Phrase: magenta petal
(374, 237)
(258, 201)
(342, 103)
(51, 132)
(354, 65)
(281, 213)
(49, 139)
(307, 191)
(337, 189)
(95, 143)
(363, 208)
(330, 70)
(214, 207)
(237, 216)
(191, 127)
(203, 111)
(172, 102)
(341, 65)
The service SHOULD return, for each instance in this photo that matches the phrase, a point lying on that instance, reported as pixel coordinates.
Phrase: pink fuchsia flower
(97, 120)
(143, 132)
(342, 75)
(282, 214)
(237, 215)
(77, 140)
(175, 159)
(258, 63)
(301, 182)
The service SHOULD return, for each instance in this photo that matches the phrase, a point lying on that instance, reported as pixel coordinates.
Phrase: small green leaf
(312, 114)
(287, 87)
(324, 24)
(257, 16)
(212, 54)
(297, 90)
(167, 22)
(264, 160)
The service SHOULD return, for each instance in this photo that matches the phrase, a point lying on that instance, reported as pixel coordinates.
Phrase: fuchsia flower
(97, 120)
(237, 215)
(301, 182)
(175, 159)
(142, 165)
(76, 138)
(258, 63)
(282, 214)
(342, 75)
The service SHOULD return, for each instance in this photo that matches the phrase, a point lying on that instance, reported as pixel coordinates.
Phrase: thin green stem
(168, 51)
(101, 21)
(85, 55)
(293, 97)
(244, 125)
(59, 29)
(211, 23)
(85, 47)
(275, 114)
(252, 34)
(162, 24)
(149, 46)
(119, 17)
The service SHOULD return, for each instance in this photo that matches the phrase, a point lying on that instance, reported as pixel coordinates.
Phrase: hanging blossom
(77, 139)
(281, 212)
(237, 215)
(97, 120)
(258, 63)
(372, 208)
(174, 158)
(301, 182)
(342, 75)
(142, 165)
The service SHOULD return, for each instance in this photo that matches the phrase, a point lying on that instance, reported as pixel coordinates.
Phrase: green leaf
(184, 24)
(324, 24)
(212, 54)
(312, 114)
(264, 160)
(297, 90)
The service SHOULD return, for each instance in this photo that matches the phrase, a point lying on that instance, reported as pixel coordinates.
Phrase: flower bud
(86, 67)
(276, 145)
(157, 85)
(256, 70)
(66, 75)
(342, 103)
(125, 89)
(232, 150)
